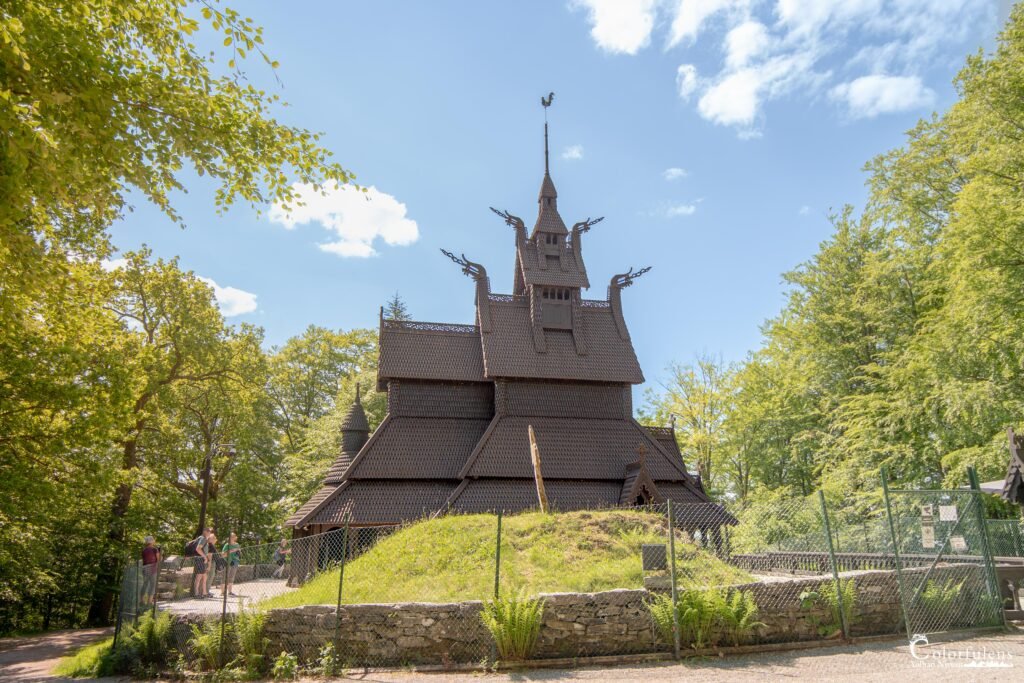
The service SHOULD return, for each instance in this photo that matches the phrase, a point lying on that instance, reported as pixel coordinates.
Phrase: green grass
(86, 662)
(452, 558)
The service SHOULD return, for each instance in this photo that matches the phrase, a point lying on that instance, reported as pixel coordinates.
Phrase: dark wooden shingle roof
(570, 448)
(418, 448)
(508, 349)
(429, 351)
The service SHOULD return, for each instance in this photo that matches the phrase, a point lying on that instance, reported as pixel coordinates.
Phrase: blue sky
(713, 135)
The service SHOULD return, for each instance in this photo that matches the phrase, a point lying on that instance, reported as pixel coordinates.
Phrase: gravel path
(33, 657)
(886, 661)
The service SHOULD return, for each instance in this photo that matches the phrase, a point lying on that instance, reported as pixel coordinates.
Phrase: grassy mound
(452, 558)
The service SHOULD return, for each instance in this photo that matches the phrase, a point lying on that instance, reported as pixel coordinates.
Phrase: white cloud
(803, 210)
(674, 173)
(113, 264)
(686, 80)
(676, 210)
(691, 15)
(733, 101)
(231, 300)
(748, 40)
(573, 153)
(357, 218)
(773, 49)
(620, 26)
(869, 96)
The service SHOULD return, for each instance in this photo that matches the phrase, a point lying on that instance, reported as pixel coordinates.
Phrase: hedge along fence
(574, 624)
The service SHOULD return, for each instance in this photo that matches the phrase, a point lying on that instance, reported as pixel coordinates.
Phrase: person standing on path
(233, 554)
(151, 558)
(201, 562)
(281, 557)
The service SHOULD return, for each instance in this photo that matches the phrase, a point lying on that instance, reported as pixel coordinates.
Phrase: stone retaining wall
(574, 624)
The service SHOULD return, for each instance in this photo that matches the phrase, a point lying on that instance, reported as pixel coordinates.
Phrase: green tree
(396, 309)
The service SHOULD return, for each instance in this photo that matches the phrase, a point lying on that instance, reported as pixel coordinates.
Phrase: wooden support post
(542, 497)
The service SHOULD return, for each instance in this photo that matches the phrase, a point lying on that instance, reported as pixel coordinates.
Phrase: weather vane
(546, 102)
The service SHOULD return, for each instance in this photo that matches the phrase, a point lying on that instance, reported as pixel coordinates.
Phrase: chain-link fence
(944, 561)
(472, 589)
(1006, 537)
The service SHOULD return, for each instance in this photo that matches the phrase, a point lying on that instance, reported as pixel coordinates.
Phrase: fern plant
(514, 623)
(841, 601)
(205, 643)
(936, 603)
(151, 639)
(661, 609)
(251, 643)
(699, 612)
(738, 614)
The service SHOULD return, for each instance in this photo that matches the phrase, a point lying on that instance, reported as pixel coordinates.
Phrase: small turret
(355, 430)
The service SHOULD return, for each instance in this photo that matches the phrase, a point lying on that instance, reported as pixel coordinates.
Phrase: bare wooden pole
(542, 497)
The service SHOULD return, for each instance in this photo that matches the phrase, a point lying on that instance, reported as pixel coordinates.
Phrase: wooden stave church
(461, 399)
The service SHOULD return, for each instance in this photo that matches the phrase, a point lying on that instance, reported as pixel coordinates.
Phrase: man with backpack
(198, 550)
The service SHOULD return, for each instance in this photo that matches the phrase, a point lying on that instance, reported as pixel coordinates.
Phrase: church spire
(548, 219)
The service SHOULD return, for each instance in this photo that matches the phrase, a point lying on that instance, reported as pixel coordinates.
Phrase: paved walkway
(950, 662)
(32, 658)
(246, 593)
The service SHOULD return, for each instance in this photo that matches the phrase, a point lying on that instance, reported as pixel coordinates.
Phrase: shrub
(152, 639)
(514, 623)
(252, 644)
(205, 643)
(328, 663)
(286, 667)
(738, 615)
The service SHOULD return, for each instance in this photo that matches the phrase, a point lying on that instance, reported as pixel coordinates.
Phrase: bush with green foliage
(286, 667)
(842, 603)
(141, 649)
(514, 623)
(328, 663)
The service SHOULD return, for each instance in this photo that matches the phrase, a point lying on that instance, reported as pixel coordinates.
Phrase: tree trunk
(105, 589)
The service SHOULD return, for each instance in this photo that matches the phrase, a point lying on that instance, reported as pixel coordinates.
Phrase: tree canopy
(900, 342)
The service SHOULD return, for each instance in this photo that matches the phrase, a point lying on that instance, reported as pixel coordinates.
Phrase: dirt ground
(33, 657)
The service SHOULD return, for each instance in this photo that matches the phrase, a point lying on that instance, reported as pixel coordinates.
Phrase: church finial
(546, 102)
(357, 392)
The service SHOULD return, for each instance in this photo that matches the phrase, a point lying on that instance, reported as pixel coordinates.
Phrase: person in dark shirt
(151, 558)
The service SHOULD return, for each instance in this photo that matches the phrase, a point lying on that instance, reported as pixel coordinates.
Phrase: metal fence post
(986, 547)
(497, 560)
(895, 549)
(672, 578)
(341, 583)
(223, 607)
(843, 627)
(156, 583)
